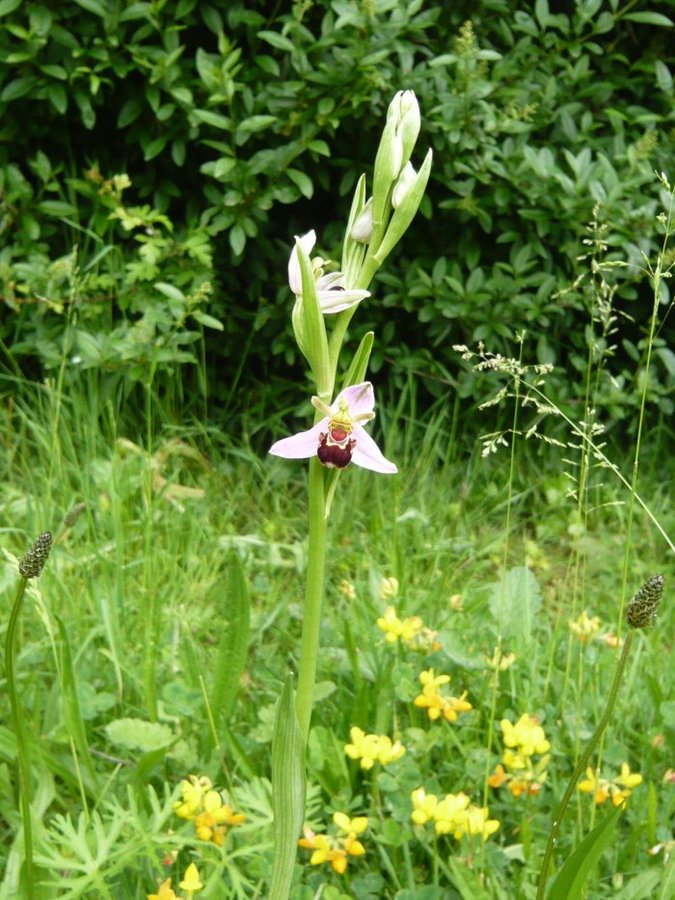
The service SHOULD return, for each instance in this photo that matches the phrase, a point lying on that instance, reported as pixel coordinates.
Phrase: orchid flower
(333, 296)
(339, 438)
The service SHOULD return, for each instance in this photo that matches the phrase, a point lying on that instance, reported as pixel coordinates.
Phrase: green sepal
(313, 328)
(288, 792)
(403, 216)
(359, 364)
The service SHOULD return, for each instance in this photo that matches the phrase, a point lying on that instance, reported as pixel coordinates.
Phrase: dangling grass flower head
(340, 438)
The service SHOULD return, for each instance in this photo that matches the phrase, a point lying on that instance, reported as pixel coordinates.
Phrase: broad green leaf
(8, 6)
(237, 238)
(288, 792)
(235, 616)
(138, 734)
(649, 18)
(274, 39)
(302, 181)
(170, 291)
(515, 601)
(577, 867)
(208, 321)
(93, 6)
(18, 87)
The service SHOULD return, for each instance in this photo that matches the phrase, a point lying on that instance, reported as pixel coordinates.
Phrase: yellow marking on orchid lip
(341, 419)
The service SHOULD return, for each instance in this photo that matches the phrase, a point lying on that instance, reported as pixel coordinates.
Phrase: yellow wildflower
(585, 627)
(164, 892)
(388, 588)
(619, 788)
(454, 814)
(527, 736)
(372, 748)
(191, 882)
(336, 850)
(204, 806)
(436, 703)
(424, 806)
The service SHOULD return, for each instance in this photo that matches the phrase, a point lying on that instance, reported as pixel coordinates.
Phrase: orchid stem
(581, 766)
(22, 746)
(316, 564)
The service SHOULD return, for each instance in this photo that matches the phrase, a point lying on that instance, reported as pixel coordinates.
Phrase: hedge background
(157, 158)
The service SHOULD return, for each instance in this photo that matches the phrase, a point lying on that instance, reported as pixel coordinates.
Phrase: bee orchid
(340, 438)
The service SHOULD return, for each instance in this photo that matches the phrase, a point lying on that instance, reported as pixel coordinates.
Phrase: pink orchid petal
(368, 455)
(307, 242)
(360, 399)
(301, 445)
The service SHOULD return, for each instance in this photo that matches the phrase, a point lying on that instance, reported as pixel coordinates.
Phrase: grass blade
(577, 867)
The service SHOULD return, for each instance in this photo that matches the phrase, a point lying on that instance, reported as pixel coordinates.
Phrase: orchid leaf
(315, 341)
(578, 866)
(288, 792)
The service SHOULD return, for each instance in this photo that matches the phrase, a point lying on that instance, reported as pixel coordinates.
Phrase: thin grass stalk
(22, 744)
(580, 767)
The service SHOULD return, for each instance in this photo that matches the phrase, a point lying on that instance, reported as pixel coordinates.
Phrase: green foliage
(222, 118)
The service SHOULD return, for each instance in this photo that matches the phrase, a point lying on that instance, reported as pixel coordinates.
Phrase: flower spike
(339, 438)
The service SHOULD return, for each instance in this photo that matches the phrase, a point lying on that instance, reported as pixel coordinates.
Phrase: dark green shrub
(239, 126)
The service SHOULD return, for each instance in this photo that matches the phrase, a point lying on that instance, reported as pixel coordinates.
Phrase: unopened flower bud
(362, 229)
(405, 181)
(642, 608)
(31, 565)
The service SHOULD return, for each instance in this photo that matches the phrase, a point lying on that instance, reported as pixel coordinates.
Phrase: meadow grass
(121, 640)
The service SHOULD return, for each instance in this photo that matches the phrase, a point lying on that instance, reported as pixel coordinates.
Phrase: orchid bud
(405, 212)
(362, 229)
(403, 184)
(409, 124)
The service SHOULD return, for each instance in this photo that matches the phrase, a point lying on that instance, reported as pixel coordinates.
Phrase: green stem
(22, 746)
(581, 766)
(316, 564)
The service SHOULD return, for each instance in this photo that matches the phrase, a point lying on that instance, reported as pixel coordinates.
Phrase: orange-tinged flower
(498, 777)
(336, 850)
(435, 703)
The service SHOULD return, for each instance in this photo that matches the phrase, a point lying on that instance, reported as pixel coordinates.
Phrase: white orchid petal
(368, 455)
(302, 445)
(335, 301)
(360, 399)
(307, 242)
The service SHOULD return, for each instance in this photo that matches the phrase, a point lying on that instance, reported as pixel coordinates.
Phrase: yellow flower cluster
(410, 631)
(619, 788)
(191, 883)
(522, 741)
(337, 849)
(587, 627)
(433, 700)
(454, 814)
(204, 806)
(372, 748)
